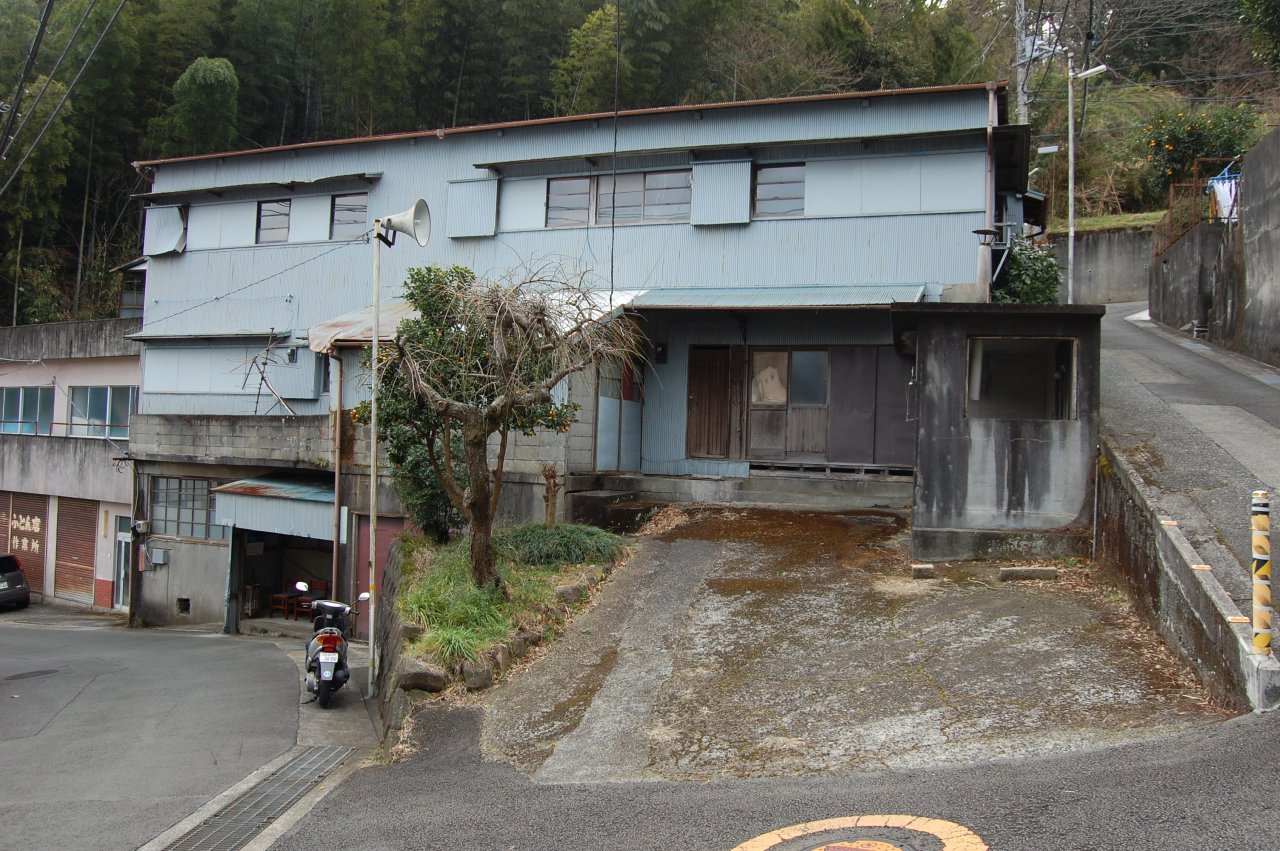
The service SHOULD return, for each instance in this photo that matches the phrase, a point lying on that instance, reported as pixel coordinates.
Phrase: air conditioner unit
(157, 557)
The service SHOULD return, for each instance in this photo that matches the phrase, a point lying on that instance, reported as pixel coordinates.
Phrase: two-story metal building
(762, 244)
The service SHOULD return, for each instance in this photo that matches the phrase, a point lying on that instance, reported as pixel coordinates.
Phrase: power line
(92, 52)
(5, 139)
(66, 48)
(364, 237)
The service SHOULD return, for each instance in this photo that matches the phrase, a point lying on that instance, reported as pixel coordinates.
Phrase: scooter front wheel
(324, 693)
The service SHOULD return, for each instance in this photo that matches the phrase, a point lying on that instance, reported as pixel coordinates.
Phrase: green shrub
(1030, 276)
(565, 544)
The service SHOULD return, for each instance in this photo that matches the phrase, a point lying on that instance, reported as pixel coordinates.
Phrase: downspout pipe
(336, 418)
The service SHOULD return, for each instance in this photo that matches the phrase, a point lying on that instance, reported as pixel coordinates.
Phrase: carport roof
(285, 505)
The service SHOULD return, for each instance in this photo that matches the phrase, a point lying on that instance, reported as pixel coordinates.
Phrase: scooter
(327, 651)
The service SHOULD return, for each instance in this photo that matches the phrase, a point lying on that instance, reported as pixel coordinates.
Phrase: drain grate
(245, 817)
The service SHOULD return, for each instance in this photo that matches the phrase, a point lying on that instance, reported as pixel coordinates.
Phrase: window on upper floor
(184, 508)
(778, 191)
(102, 411)
(273, 221)
(349, 216)
(633, 198)
(26, 410)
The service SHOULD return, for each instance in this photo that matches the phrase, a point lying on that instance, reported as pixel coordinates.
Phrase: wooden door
(707, 429)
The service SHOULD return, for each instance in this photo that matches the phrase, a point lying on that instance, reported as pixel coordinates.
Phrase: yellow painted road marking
(954, 837)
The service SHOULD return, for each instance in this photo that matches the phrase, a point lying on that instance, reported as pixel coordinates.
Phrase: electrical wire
(66, 48)
(363, 238)
(6, 140)
(92, 52)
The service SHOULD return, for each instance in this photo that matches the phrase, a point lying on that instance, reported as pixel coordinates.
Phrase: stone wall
(1112, 266)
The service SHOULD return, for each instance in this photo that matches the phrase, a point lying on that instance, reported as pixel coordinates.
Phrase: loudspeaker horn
(415, 222)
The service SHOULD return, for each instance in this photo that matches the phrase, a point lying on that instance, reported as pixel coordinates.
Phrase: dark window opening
(1021, 378)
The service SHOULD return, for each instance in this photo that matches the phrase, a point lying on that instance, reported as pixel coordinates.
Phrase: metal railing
(1194, 202)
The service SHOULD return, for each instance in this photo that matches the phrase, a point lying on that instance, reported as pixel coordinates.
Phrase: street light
(416, 222)
(1072, 76)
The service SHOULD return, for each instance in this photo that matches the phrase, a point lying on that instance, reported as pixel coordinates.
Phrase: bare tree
(481, 358)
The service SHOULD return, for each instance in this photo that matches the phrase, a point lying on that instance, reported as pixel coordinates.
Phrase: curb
(1215, 618)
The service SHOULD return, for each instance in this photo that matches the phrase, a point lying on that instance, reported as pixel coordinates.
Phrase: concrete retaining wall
(1112, 266)
(1227, 277)
(1148, 555)
(1181, 289)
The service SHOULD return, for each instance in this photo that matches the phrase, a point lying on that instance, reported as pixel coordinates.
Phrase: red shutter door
(77, 535)
(28, 520)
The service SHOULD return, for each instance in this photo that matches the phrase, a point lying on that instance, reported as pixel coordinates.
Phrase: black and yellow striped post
(1261, 524)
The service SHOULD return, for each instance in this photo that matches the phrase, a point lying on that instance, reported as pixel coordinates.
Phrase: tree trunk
(551, 493)
(479, 510)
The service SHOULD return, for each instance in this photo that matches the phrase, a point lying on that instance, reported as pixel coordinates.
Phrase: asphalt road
(109, 736)
(1213, 788)
(1200, 425)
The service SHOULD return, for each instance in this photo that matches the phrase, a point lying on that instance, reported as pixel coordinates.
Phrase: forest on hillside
(103, 83)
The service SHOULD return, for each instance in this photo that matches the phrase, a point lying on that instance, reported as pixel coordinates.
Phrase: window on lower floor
(26, 410)
(102, 411)
(184, 508)
(1021, 378)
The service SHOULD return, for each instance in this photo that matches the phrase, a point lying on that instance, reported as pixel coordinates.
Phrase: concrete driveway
(762, 643)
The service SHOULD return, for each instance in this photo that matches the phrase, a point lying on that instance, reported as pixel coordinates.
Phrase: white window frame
(17, 402)
(85, 418)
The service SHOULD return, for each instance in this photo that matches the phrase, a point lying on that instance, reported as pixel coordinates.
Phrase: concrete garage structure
(1007, 429)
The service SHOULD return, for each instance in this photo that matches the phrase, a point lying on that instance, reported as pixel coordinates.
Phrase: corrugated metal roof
(280, 487)
(356, 328)
(774, 298)
(441, 133)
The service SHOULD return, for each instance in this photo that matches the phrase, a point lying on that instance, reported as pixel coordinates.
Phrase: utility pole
(1021, 59)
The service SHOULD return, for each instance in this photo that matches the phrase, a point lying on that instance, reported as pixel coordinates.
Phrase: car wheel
(24, 603)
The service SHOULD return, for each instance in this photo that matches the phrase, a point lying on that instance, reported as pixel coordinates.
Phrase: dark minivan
(13, 583)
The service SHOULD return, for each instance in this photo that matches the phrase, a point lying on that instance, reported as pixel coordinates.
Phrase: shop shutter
(6, 512)
(28, 520)
(77, 535)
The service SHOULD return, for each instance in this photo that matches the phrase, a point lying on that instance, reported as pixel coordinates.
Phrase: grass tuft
(566, 544)
(460, 621)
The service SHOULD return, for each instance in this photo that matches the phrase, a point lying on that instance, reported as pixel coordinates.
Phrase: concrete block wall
(294, 442)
